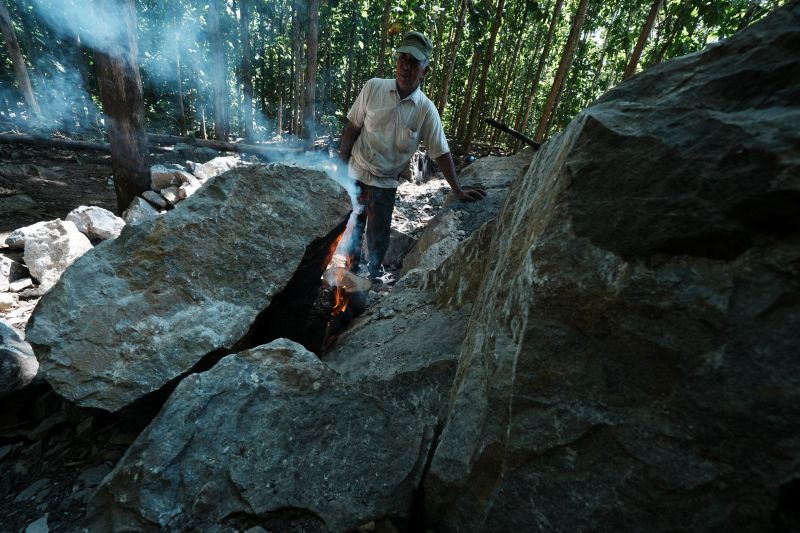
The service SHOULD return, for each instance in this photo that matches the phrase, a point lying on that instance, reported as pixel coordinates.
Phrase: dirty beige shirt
(391, 130)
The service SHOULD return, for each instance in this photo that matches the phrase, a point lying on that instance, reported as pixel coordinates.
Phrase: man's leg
(379, 221)
(357, 238)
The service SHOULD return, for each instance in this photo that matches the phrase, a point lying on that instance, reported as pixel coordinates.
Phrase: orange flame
(340, 295)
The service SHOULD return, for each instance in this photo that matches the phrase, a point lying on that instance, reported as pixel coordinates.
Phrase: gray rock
(265, 431)
(33, 491)
(16, 239)
(51, 248)
(156, 199)
(146, 307)
(16, 203)
(186, 190)
(399, 246)
(162, 177)
(96, 223)
(39, 526)
(139, 211)
(631, 360)
(18, 365)
(10, 271)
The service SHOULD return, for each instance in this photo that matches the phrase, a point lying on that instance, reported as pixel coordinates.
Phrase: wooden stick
(514, 133)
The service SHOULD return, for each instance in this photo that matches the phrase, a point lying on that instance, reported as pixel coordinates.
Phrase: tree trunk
(297, 37)
(566, 60)
(217, 69)
(523, 124)
(312, 42)
(181, 110)
(348, 99)
(683, 13)
(476, 107)
(247, 79)
(384, 37)
(451, 62)
(463, 114)
(643, 36)
(15, 53)
(123, 104)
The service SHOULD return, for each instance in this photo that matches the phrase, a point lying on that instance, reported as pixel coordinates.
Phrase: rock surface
(631, 360)
(144, 308)
(10, 271)
(96, 223)
(51, 248)
(18, 365)
(269, 437)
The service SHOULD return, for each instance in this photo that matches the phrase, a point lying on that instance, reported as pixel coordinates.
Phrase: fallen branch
(514, 133)
(265, 151)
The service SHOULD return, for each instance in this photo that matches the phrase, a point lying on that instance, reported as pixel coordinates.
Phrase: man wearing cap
(385, 125)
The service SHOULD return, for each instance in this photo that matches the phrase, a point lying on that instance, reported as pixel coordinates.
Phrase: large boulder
(51, 248)
(631, 359)
(145, 308)
(269, 437)
(18, 365)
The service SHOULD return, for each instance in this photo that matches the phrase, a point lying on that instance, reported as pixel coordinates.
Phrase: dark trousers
(376, 216)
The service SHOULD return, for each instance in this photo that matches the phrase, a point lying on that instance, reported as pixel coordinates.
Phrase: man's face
(409, 72)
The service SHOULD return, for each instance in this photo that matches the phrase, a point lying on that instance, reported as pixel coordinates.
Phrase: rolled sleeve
(435, 140)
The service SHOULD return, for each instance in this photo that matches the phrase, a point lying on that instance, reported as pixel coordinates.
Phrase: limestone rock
(53, 247)
(139, 211)
(631, 360)
(265, 431)
(10, 271)
(96, 223)
(18, 366)
(144, 308)
(215, 167)
(16, 239)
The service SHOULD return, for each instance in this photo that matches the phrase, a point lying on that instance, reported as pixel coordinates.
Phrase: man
(385, 125)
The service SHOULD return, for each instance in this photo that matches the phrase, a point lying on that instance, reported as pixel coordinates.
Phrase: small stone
(186, 190)
(33, 490)
(96, 222)
(20, 285)
(156, 199)
(7, 301)
(9, 271)
(93, 476)
(170, 194)
(52, 248)
(162, 177)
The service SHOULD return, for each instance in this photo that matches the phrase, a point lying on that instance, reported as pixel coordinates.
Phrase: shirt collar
(414, 96)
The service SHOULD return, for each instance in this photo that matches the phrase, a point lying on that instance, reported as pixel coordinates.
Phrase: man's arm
(448, 168)
(349, 136)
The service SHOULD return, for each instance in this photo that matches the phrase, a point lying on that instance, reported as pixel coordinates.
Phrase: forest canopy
(244, 69)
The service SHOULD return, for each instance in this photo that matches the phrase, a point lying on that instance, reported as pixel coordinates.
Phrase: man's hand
(471, 194)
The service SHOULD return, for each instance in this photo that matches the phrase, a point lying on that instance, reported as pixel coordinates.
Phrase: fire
(339, 278)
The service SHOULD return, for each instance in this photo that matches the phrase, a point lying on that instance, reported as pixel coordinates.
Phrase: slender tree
(487, 62)
(247, 79)
(217, 69)
(21, 71)
(643, 36)
(566, 60)
(312, 42)
(451, 61)
(387, 12)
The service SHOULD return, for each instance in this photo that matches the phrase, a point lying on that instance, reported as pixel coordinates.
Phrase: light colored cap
(417, 45)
